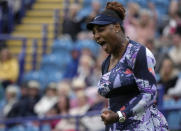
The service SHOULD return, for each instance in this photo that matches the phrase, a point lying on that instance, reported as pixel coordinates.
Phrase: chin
(107, 52)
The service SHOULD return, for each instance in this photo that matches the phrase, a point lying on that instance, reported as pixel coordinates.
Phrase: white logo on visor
(96, 17)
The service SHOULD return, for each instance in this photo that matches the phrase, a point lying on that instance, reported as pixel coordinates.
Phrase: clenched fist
(109, 117)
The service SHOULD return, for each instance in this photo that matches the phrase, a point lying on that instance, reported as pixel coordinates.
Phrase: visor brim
(90, 25)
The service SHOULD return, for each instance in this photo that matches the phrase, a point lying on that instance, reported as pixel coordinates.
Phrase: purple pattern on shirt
(141, 114)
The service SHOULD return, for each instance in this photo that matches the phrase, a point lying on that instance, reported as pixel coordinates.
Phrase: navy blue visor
(102, 19)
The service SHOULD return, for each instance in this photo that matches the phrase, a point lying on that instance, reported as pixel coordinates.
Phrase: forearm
(139, 104)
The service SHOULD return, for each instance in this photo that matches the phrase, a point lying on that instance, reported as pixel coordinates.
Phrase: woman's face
(62, 103)
(106, 37)
(167, 66)
(4, 55)
(176, 40)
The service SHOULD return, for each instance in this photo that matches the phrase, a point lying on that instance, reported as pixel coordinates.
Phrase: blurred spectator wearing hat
(33, 97)
(9, 68)
(11, 100)
(82, 104)
(47, 101)
(77, 85)
(19, 109)
(64, 88)
(82, 107)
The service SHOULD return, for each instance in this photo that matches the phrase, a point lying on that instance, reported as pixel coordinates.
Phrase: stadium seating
(31, 27)
(55, 62)
(90, 44)
(38, 76)
(62, 45)
(173, 117)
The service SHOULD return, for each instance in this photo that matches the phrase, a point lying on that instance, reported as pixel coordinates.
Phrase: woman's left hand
(109, 117)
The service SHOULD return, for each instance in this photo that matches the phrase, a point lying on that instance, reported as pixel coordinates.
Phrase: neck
(118, 53)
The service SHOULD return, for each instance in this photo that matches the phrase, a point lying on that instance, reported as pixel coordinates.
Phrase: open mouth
(102, 43)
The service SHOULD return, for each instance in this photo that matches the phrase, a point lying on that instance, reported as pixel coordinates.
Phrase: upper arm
(144, 70)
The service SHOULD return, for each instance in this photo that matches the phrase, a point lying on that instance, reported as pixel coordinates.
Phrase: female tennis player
(128, 79)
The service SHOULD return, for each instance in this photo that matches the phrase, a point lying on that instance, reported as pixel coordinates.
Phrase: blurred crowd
(76, 94)
(11, 13)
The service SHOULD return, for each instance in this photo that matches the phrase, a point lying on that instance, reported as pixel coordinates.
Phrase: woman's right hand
(109, 117)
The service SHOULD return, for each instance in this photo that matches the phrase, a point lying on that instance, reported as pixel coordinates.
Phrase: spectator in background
(96, 6)
(71, 70)
(82, 104)
(78, 85)
(52, 112)
(98, 103)
(173, 8)
(175, 11)
(19, 109)
(12, 98)
(16, 6)
(175, 51)
(94, 76)
(140, 23)
(86, 52)
(47, 101)
(12, 93)
(71, 25)
(85, 67)
(168, 75)
(33, 97)
(63, 107)
(131, 20)
(64, 88)
(81, 109)
(5, 12)
(146, 27)
(9, 68)
(175, 92)
(175, 18)
(87, 13)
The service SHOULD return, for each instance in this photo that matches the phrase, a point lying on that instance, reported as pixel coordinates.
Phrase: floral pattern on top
(131, 87)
